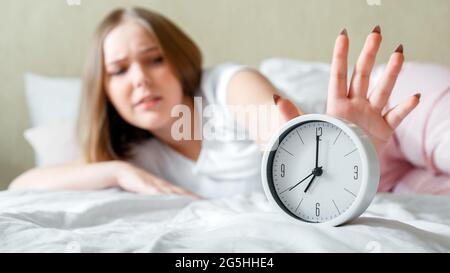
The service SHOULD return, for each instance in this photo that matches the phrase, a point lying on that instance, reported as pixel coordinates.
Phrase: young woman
(142, 66)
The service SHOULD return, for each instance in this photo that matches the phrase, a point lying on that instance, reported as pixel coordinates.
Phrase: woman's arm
(95, 176)
(249, 88)
(70, 176)
(348, 102)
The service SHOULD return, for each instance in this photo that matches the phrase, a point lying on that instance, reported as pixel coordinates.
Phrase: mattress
(116, 221)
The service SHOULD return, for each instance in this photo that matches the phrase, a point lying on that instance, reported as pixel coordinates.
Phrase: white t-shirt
(226, 166)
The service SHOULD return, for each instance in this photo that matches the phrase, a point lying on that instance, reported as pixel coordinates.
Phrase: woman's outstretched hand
(351, 102)
(133, 179)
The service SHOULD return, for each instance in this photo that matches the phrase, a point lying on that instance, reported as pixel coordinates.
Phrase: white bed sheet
(116, 221)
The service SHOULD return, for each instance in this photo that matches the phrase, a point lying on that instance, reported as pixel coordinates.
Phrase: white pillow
(53, 144)
(52, 100)
(53, 105)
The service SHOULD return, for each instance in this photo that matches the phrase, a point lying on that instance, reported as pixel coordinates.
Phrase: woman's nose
(139, 76)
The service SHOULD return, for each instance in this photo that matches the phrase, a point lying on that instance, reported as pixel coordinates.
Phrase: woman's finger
(180, 191)
(172, 189)
(382, 92)
(150, 190)
(288, 110)
(395, 116)
(163, 187)
(188, 193)
(338, 77)
(160, 186)
(366, 60)
(160, 189)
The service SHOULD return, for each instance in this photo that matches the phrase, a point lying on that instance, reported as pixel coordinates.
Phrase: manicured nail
(276, 98)
(344, 32)
(399, 49)
(376, 29)
(418, 95)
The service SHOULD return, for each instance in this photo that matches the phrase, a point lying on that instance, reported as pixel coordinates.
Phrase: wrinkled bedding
(116, 221)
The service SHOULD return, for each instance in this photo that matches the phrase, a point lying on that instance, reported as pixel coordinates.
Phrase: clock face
(316, 171)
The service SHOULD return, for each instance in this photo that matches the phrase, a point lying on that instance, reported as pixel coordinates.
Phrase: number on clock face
(316, 171)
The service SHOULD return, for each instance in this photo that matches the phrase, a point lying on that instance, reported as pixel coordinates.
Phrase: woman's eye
(118, 72)
(157, 60)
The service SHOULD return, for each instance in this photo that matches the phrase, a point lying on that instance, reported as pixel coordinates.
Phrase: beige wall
(49, 37)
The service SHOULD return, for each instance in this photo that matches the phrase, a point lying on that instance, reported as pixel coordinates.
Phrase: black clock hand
(317, 151)
(309, 184)
(317, 145)
(317, 172)
(291, 188)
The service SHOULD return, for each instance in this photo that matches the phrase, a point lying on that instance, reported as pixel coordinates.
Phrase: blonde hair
(102, 133)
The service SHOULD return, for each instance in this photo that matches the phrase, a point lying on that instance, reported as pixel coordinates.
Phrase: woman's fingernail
(276, 98)
(377, 29)
(399, 49)
(417, 95)
(344, 32)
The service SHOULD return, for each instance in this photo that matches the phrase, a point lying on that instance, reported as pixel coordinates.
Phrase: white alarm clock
(320, 170)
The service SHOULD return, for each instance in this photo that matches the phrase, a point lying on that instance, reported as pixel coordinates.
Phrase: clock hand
(317, 145)
(309, 184)
(317, 172)
(291, 188)
(317, 151)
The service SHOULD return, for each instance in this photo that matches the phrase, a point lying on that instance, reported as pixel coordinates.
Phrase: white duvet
(116, 221)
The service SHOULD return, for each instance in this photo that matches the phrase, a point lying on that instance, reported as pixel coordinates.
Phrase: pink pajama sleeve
(417, 158)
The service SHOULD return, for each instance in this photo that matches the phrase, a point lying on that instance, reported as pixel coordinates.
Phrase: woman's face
(139, 81)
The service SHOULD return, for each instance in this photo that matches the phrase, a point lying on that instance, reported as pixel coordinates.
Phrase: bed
(116, 221)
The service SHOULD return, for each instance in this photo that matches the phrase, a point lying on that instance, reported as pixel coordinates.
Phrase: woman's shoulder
(215, 80)
(218, 71)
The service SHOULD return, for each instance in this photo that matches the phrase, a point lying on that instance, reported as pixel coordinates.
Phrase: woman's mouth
(148, 103)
